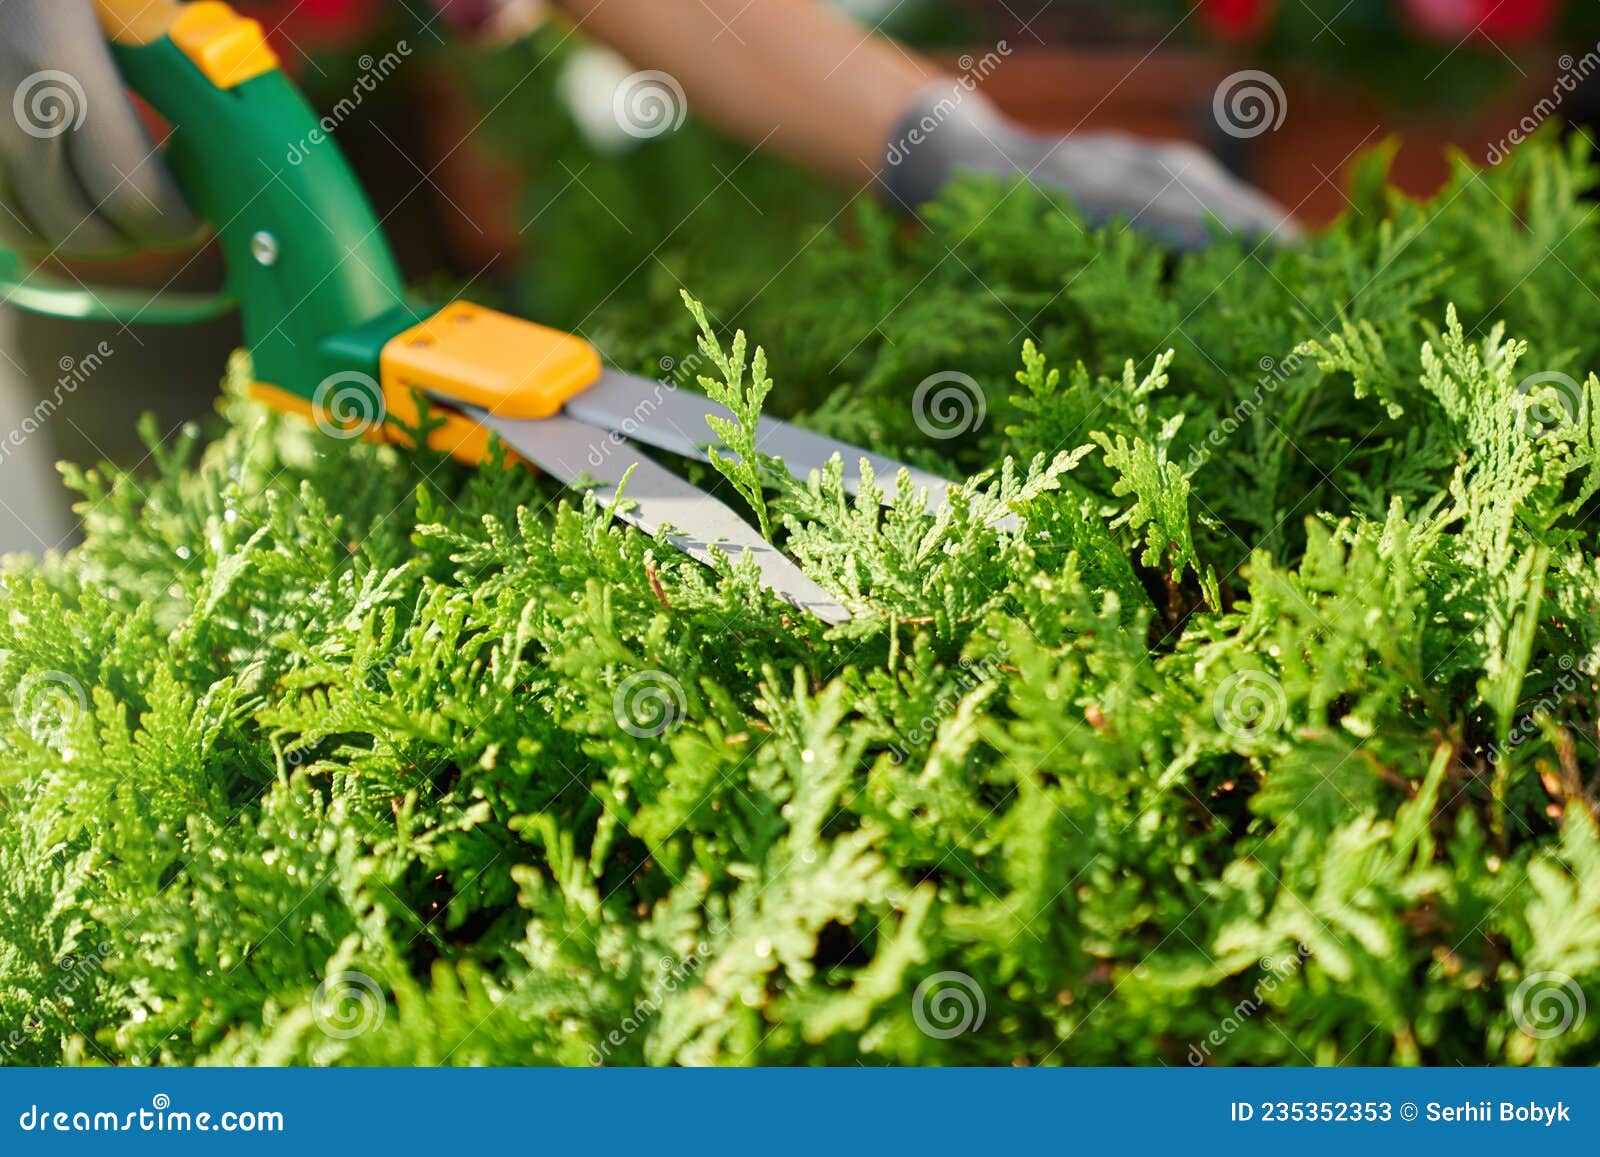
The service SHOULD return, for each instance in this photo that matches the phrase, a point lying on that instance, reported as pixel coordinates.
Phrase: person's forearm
(794, 74)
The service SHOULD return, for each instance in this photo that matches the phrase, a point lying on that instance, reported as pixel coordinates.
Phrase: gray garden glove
(1168, 189)
(78, 173)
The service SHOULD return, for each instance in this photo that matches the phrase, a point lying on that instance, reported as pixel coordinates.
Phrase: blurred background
(491, 150)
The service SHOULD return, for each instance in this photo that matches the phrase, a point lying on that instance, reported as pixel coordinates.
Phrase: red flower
(1505, 21)
(1236, 21)
(314, 23)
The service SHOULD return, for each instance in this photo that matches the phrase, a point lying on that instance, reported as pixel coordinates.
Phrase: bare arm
(806, 80)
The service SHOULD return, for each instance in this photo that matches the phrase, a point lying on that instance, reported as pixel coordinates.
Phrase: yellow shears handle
(136, 21)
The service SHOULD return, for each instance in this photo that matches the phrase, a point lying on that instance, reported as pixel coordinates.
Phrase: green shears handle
(308, 266)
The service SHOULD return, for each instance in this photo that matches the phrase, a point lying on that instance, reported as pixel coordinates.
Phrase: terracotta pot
(1328, 127)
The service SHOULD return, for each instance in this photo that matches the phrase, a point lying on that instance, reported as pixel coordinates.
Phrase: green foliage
(1263, 732)
(742, 467)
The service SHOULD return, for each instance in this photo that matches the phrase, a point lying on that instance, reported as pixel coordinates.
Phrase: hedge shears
(332, 334)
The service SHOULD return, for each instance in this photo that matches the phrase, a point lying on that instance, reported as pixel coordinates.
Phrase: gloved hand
(1169, 189)
(78, 173)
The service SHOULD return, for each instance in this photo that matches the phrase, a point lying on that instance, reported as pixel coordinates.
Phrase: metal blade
(571, 450)
(669, 418)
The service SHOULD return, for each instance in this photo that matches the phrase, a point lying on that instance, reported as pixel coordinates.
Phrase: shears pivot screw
(264, 248)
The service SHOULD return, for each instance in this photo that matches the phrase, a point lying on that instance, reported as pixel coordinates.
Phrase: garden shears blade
(654, 499)
(661, 415)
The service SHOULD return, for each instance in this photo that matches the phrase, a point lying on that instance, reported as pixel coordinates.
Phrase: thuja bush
(1265, 732)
